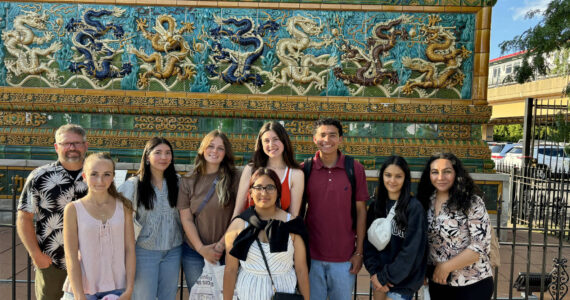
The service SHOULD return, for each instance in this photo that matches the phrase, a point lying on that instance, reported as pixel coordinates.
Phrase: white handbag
(380, 231)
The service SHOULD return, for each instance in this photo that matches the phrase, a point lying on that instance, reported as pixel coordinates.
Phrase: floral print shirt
(452, 231)
(46, 192)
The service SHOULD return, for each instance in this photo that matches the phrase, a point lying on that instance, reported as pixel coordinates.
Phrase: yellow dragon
(168, 41)
(440, 50)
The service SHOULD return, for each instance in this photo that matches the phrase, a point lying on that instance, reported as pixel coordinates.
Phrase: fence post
(527, 132)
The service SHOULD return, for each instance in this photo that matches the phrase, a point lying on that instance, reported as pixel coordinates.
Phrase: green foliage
(507, 133)
(557, 132)
(551, 34)
(561, 129)
(561, 59)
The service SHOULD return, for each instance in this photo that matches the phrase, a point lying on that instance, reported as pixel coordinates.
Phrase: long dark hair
(112, 190)
(403, 200)
(271, 174)
(146, 195)
(260, 159)
(227, 171)
(461, 192)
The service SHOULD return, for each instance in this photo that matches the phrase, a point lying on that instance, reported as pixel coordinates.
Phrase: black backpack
(349, 168)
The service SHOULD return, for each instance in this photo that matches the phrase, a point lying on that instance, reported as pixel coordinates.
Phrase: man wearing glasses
(46, 192)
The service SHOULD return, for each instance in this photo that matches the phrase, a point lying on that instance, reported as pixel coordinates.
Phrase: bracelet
(357, 253)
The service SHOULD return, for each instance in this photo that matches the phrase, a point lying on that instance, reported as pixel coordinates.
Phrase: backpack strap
(349, 168)
(307, 166)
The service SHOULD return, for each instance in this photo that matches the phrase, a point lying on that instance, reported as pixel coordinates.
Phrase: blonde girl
(206, 200)
(99, 237)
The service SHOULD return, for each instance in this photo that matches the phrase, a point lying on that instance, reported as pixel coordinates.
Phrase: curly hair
(462, 190)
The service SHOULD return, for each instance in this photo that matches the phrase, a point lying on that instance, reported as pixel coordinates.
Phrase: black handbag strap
(207, 198)
(266, 264)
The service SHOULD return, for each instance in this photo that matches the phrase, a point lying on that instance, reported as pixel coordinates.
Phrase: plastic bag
(209, 285)
(423, 293)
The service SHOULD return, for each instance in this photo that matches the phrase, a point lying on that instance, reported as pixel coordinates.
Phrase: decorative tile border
(244, 143)
(238, 106)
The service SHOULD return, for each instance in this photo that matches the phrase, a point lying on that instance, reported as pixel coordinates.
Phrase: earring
(147, 163)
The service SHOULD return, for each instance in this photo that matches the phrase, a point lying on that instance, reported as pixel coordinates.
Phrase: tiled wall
(406, 77)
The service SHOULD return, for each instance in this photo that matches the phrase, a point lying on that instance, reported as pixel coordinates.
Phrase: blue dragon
(88, 40)
(239, 70)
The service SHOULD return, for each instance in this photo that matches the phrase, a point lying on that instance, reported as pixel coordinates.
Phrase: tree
(550, 35)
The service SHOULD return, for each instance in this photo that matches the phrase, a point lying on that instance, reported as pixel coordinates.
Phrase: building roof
(507, 56)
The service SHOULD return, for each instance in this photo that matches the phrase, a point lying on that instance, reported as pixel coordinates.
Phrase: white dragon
(18, 43)
(296, 63)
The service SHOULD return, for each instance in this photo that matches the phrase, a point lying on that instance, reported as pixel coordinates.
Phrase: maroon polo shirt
(329, 219)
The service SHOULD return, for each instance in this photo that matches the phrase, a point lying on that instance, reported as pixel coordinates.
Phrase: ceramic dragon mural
(251, 51)
(371, 70)
(441, 51)
(240, 63)
(171, 51)
(93, 42)
(295, 63)
(31, 45)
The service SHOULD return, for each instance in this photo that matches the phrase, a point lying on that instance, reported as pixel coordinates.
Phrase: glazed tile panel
(240, 51)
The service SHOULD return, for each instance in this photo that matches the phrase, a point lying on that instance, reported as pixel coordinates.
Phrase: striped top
(253, 282)
(161, 227)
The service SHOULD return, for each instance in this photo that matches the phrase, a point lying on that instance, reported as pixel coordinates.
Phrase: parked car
(550, 158)
(499, 150)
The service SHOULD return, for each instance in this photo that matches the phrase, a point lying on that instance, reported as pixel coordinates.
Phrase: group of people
(279, 226)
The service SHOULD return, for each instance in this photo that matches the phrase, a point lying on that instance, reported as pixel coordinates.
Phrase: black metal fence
(536, 231)
(535, 235)
(534, 244)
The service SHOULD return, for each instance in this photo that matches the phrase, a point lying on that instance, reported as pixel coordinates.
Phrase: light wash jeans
(157, 274)
(396, 296)
(192, 264)
(97, 296)
(331, 279)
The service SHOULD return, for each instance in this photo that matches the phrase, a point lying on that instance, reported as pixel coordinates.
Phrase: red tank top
(285, 192)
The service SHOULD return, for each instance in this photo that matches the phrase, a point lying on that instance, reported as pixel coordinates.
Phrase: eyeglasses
(74, 144)
(270, 189)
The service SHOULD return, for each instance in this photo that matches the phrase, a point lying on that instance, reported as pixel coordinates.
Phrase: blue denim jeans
(69, 296)
(331, 279)
(192, 264)
(396, 296)
(157, 273)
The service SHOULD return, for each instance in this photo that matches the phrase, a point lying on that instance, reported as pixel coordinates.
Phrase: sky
(508, 20)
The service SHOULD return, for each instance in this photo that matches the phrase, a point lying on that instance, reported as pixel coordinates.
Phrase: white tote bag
(380, 231)
(209, 285)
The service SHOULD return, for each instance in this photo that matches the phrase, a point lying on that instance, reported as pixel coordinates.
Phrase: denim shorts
(69, 296)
